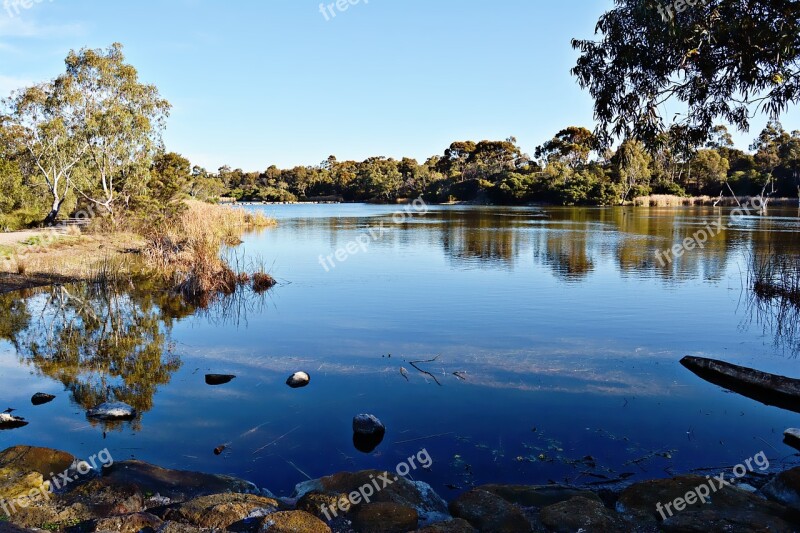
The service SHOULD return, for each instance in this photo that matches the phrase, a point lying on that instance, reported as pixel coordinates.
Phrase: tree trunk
(51, 217)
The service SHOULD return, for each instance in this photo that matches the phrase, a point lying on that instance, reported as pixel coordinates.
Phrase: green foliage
(714, 60)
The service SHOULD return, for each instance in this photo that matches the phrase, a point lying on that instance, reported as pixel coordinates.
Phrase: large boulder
(391, 489)
(538, 495)
(581, 514)
(294, 522)
(220, 511)
(132, 523)
(647, 502)
(785, 488)
(385, 518)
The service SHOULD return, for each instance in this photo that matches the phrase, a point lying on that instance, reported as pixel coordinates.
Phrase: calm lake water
(556, 336)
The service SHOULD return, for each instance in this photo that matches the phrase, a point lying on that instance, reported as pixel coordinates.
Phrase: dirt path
(15, 237)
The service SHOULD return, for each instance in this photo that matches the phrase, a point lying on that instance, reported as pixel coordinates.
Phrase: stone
(537, 496)
(488, 512)
(298, 380)
(392, 489)
(384, 517)
(112, 411)
(41, 398)
(581, 514)
(457, 525)
(219, 379)
(294, 522)
(725, 505)
(784, 488)
(368, 425)
(132, 523)
(315, 502)
(220, 511)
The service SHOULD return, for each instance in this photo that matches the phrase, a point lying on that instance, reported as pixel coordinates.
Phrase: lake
(552, 338)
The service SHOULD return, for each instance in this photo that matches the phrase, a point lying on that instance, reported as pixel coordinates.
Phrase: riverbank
(131, 496)
(173, 250)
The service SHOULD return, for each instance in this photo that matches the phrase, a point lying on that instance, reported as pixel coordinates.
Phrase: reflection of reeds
(774, 303)
(773, 276)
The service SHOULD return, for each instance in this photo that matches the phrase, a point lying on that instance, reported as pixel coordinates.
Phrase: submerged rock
(219, 379)
(367, 443)
(9, 421)
(112, 411)
(41, 398)
(298, 380)
(367, 425)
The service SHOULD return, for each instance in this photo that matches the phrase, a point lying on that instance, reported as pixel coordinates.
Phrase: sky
(290, 82)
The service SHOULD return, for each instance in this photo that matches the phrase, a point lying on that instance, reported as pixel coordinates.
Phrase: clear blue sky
(260, 82)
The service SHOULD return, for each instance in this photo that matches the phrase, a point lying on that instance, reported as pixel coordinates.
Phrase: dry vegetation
(669, 200)
(186, 253)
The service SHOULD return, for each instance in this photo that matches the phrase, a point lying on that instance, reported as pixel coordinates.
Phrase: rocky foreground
(132, 496)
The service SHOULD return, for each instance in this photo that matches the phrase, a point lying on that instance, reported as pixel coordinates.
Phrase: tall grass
(187, 250)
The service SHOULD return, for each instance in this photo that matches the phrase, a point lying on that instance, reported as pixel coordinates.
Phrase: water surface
(556, 335)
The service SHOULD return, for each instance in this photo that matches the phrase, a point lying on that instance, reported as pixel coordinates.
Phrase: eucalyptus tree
(715, 59)
(46, 120)
(123, 120)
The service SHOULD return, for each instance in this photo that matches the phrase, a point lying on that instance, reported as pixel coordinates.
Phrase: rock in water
(219, 379)
(9, 421)
(298, 380)
(791, 437)
(112, 411)
(41, 398)
(368, 425)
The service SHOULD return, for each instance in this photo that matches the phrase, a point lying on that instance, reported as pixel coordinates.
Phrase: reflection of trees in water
(100, 343)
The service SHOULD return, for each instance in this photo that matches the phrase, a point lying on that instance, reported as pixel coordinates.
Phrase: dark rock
(132, 523)
(177, 485)
(384, 517)
(367, 443)
(457, 525)
(5, 527)
(538, 496)
(218, 379)
(367, 425)
(727, 504)
(488, 512)
(220, 511)
(112, 411)
(294, 522)
(41, 398)
(298, 380)
(784, 488)
(581, 514)
(738, 520)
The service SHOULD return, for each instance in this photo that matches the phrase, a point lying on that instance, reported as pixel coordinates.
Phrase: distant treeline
(567, 170)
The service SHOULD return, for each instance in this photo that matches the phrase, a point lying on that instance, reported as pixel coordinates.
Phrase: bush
(666, 187)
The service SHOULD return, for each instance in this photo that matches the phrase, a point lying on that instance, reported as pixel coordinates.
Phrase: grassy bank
(183, 251)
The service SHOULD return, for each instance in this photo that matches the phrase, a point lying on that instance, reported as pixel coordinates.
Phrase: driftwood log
(769, 389)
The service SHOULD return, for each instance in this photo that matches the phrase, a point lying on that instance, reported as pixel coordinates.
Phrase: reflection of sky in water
(561, 320)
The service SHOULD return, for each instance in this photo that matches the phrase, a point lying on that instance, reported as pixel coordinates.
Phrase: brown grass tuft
(263, 282)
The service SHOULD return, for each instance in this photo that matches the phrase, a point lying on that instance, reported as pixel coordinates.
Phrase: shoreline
(132, 495)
